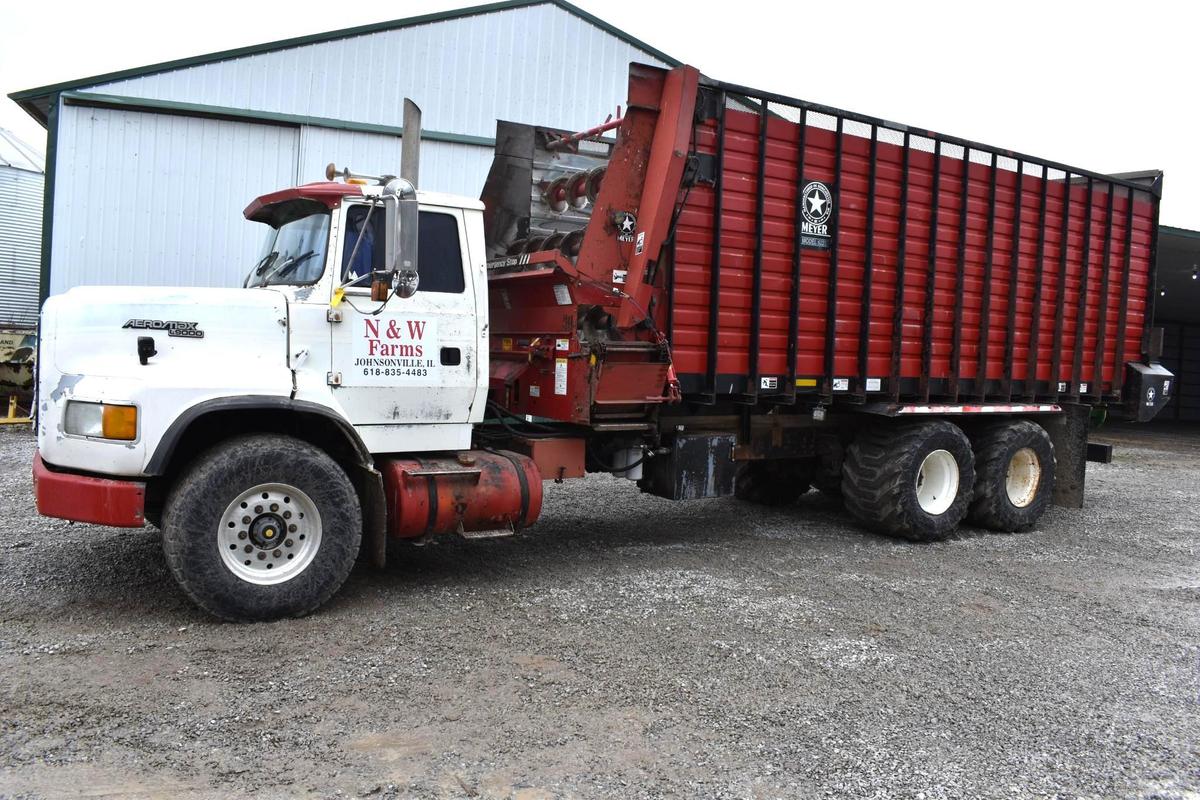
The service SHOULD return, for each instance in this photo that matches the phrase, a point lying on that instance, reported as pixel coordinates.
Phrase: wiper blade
(265, 262)
(289, 264)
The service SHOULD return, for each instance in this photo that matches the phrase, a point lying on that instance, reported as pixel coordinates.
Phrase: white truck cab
(407, 374)
(274, 430)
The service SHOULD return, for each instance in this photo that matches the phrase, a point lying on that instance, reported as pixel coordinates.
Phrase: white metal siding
(155, 199)
(20, 245)
(445, 167)
(455, 168)
(538, 64)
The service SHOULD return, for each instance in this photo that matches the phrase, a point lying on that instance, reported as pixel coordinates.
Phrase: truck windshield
(293, 254)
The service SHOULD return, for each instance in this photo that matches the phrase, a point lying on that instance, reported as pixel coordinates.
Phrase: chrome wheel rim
(269, 534)
(937, 482)
(1023, 476)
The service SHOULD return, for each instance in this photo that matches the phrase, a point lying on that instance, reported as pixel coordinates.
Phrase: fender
(157, 464)
(367, 479)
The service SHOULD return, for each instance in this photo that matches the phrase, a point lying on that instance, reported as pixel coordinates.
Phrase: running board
(495, 533)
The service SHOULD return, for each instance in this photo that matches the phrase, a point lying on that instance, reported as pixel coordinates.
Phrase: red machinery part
(591, 186)
(572, 243)
(83, 498)
(556, 458)
(577, 190)
(534, 244)
(475, 490)
(556, 196)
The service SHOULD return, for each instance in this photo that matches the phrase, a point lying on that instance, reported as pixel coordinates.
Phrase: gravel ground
(630, 647)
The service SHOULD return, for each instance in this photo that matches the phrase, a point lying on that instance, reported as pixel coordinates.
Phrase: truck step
(494, 533)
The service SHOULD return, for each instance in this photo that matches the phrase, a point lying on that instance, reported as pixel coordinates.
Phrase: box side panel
(949, 270)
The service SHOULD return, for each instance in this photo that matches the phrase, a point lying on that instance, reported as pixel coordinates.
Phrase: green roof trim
(1183, 233)
(26, 97)
(96, 100)
(48, 201)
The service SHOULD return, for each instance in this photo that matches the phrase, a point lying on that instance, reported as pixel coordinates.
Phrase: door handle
(451, 356)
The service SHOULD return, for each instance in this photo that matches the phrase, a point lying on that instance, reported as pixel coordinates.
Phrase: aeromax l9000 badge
(817, 210)
(173, 327)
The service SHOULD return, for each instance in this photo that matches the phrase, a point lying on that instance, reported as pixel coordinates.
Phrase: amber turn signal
(119, 422)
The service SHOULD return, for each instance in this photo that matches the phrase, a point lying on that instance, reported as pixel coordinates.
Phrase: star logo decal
(816, 204)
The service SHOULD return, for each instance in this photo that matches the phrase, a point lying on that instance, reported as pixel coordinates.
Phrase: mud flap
(1068, 432)
(368, 482)
(1147, 389)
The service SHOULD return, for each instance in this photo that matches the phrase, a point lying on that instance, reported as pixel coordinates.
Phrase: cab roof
(284, 205)
(327, 193)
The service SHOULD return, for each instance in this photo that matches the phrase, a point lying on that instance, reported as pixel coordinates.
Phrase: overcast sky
(1104, 86)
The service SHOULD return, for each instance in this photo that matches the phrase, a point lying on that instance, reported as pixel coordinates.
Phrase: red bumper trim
(84, 498)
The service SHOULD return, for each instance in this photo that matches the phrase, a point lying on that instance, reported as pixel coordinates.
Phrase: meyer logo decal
(625, 223)
(184, 330)
(817, 207)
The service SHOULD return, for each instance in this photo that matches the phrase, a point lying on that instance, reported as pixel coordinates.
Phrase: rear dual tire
(912, 481)
(918, 481)
(1014, 483)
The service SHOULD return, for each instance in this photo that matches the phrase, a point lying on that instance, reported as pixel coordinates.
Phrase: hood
(94, 330)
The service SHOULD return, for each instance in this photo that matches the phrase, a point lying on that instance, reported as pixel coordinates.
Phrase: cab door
(406, 362)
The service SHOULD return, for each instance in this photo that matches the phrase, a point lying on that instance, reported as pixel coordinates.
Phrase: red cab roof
(327, 193)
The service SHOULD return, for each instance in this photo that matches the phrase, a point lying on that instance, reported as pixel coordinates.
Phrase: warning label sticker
(560, 376)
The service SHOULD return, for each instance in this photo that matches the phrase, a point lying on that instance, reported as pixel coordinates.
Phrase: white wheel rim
(1024, 475)
(937, 482)
(269, 534)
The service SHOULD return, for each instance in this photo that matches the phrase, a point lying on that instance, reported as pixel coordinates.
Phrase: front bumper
(85, 498)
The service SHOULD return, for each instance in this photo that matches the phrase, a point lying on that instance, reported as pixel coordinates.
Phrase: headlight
(100, 420)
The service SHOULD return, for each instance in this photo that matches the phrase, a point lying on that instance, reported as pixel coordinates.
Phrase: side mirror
(408, 275)
(401, 273)
(382, 278)
(406, 282)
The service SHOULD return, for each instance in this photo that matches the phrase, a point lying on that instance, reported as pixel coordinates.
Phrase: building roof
(17, 154)
(36, 101)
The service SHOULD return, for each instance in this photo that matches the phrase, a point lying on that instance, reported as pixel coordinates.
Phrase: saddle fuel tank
(481, 492)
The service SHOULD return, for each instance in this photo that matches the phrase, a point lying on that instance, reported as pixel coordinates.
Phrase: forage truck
(724, 292)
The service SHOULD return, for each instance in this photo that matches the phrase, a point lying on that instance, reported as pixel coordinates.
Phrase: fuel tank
(486, 492)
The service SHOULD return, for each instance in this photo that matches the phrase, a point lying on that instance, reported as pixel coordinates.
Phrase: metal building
(148, 169)
(1177, 311)
(21, 189)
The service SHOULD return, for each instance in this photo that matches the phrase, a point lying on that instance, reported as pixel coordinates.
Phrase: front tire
(1014, 479)
(912, 481)
(262, 527)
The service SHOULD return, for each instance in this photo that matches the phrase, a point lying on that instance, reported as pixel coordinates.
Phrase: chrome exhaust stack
(410, 143)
